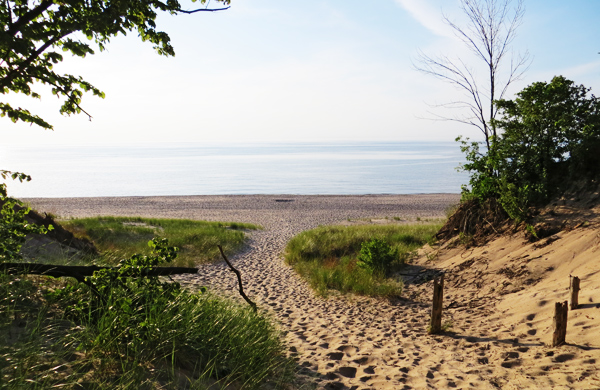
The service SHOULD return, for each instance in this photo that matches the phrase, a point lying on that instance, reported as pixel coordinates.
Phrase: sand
(498, 297)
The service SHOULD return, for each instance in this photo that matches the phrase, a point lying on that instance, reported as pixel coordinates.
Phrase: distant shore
(264, 209)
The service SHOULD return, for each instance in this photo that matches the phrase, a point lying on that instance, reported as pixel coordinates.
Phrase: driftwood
(239, 278)
(80, 272)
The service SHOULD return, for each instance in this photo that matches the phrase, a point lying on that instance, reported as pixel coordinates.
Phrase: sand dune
(499, 297)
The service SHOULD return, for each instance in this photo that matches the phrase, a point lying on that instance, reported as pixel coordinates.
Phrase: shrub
(13, 225)
(376, 256)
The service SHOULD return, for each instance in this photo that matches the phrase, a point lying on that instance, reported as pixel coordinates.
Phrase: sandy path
(352, 343)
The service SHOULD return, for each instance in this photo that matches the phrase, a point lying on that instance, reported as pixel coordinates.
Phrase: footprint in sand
(348, 372)
(335, 355)
(564, 357)
(348, 350)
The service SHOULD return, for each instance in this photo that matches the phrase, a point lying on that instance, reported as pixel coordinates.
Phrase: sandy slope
(493, 297)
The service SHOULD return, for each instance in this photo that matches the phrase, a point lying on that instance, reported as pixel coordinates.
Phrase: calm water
(196, 169)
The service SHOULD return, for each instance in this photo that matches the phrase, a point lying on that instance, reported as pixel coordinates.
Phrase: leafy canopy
(550, 138)
(35, 34)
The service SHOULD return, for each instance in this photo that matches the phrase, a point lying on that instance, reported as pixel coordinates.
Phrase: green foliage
(118, 237)
(13, 225)
(328, 256)
(550, 137)
(122, 331)
(36, 34)
(377, 256)
(345, 276)
(514, 199)
(549, 131)
(531, 230)
(482, 167)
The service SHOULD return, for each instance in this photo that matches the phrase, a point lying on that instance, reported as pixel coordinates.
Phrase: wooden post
(561, 310)
(436, 311)
(574, 292)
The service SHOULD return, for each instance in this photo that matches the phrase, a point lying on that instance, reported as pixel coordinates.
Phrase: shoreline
(264, 209)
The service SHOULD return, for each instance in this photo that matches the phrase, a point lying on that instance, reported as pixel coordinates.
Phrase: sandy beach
(498, 332)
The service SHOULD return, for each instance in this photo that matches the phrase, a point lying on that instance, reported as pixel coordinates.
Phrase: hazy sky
(312, 70)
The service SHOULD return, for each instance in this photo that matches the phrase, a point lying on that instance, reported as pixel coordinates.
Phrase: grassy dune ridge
(327, 256)
(118, 237)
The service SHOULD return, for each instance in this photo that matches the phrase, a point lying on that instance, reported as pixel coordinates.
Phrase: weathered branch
(22, 66)
(239, 278)
(80, 272)
(203, 10)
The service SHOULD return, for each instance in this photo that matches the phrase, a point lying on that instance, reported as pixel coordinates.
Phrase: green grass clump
(121, 237)
(327, 256)
(121, 332)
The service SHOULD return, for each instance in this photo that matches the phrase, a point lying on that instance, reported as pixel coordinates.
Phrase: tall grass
(121, 237)
(118, 332)
(327, 256)
(198, 339)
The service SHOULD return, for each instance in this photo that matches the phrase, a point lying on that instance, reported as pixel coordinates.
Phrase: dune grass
(193, 339)
(121, 237)
(134, 333)
(327, 256)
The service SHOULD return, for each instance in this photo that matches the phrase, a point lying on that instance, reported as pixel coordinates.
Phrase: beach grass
(127, 333)
(121, 237)
(328, 256)
(198, 340)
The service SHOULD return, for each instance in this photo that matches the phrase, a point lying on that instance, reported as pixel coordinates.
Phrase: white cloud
(428, 16)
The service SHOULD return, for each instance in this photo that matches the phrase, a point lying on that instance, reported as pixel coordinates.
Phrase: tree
(36, 32)
(491, 27)
(550, 137)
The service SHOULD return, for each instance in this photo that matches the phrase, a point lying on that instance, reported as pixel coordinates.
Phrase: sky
(299, 71)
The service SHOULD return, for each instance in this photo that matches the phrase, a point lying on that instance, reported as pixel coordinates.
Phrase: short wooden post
(436, 311)
(574, 292)
(561, 310)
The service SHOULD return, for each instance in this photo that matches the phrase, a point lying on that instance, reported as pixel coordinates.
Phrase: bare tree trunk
(488, 34)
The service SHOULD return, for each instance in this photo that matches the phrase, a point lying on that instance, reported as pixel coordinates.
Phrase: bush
(376, 256)
(13, 225)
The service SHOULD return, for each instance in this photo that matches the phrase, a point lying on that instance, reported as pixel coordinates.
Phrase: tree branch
(28, 17)
(203, 10)
(239, 278)
(20, 69)
(80, 272)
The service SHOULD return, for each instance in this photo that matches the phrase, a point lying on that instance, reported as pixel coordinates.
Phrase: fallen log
(80, 272)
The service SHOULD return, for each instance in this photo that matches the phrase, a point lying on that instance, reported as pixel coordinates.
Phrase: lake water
(197, 169)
